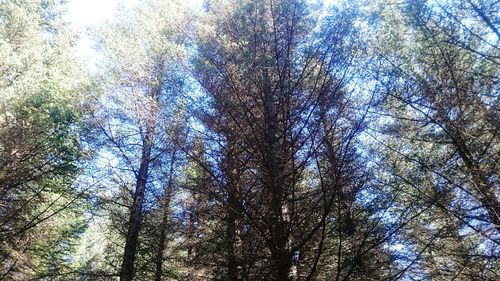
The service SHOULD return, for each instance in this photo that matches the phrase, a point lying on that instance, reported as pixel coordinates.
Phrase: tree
(440, 138)
(278, 121)
(40, 151)
(142, 50)
(252, 140)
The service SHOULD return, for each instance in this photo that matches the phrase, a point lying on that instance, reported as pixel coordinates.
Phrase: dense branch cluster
(252, 140)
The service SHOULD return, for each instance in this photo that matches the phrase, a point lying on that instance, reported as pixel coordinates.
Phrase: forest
(354, 140)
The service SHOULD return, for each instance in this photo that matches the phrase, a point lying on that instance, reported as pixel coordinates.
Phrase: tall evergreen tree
(142, 53)
(279, 121)
(440, 77)
(40, 149)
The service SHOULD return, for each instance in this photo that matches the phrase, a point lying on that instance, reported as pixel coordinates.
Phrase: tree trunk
(233, 239)
(163, 236)
(165, 218)
(284, 266)
(135, 220)
(276, 185)
(234, 213)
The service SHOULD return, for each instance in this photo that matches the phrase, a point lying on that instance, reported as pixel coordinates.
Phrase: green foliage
(40, 151)
(252, 140)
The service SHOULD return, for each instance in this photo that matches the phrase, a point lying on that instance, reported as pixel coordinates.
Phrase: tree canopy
(251, 140)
